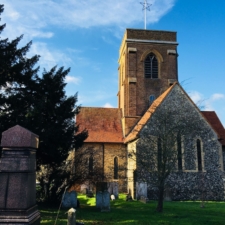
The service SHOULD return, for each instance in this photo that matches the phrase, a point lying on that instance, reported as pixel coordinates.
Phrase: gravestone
(99, 200)
(84, 188)
(18, 177)
(167, 194)
(141, 190)
(89, 194)
(103, 201)
(71, 217)
(113, 189)
(144, 199)
(70, 200)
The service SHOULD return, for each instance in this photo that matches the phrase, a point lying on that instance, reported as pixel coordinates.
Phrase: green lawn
(137, 213)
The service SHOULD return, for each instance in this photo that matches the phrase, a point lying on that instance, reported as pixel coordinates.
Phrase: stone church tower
(147, 67)
(147, 84)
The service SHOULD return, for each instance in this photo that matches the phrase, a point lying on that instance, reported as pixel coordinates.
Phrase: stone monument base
(20, 217)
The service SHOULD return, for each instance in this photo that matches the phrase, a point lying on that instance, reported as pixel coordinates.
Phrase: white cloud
(196, 96)
(49, 57)
(107, 105)
(38, 19)
(34, 17)
(208, 104)
(217, 96)
(71, 79)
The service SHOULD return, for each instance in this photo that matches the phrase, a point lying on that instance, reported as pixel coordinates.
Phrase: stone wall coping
(153, 41)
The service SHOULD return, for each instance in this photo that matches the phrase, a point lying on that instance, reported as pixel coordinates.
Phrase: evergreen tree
(17, 80)
(40, 105)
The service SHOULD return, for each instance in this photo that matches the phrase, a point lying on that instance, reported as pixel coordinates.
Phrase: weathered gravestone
(18, 177)
(71, 217)
(99, 200)
(113, 189)
(167, 194)
(141, 190)
(102, 197)
(70, 200)
(84, 189)
(144, 199)
(105, 202)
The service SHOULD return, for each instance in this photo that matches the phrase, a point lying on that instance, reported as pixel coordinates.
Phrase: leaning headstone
(70, 200)
(141, 190)
(18, 177)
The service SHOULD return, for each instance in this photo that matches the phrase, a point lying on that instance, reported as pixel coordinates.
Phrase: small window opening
(151, 99)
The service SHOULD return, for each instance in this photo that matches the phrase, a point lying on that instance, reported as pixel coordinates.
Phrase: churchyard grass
(138, 213)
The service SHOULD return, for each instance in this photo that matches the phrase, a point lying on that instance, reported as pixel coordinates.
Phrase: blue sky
(86, 35)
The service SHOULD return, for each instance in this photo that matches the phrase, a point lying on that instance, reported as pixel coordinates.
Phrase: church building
(149, 85)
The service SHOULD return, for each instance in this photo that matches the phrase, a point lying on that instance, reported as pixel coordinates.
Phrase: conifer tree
(39, 103)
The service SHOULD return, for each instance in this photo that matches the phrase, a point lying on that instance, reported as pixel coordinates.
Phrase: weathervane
(146, 6)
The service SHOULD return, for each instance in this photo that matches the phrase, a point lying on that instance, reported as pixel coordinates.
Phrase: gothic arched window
(199, 155)
(151, 66)
(116, 168)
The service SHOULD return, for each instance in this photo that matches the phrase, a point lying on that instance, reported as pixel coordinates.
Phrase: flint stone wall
(189, 184)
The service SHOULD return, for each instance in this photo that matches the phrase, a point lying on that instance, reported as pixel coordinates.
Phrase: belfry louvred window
(151, 66)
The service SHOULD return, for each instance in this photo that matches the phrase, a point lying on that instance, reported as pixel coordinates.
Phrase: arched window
(199, 155)
(179, 152)
(151, 66)
(116, 168)
(90, 165)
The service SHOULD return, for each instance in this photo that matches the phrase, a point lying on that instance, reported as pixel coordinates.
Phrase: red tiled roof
(144, 119)
(103, 124)
(214, 121)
